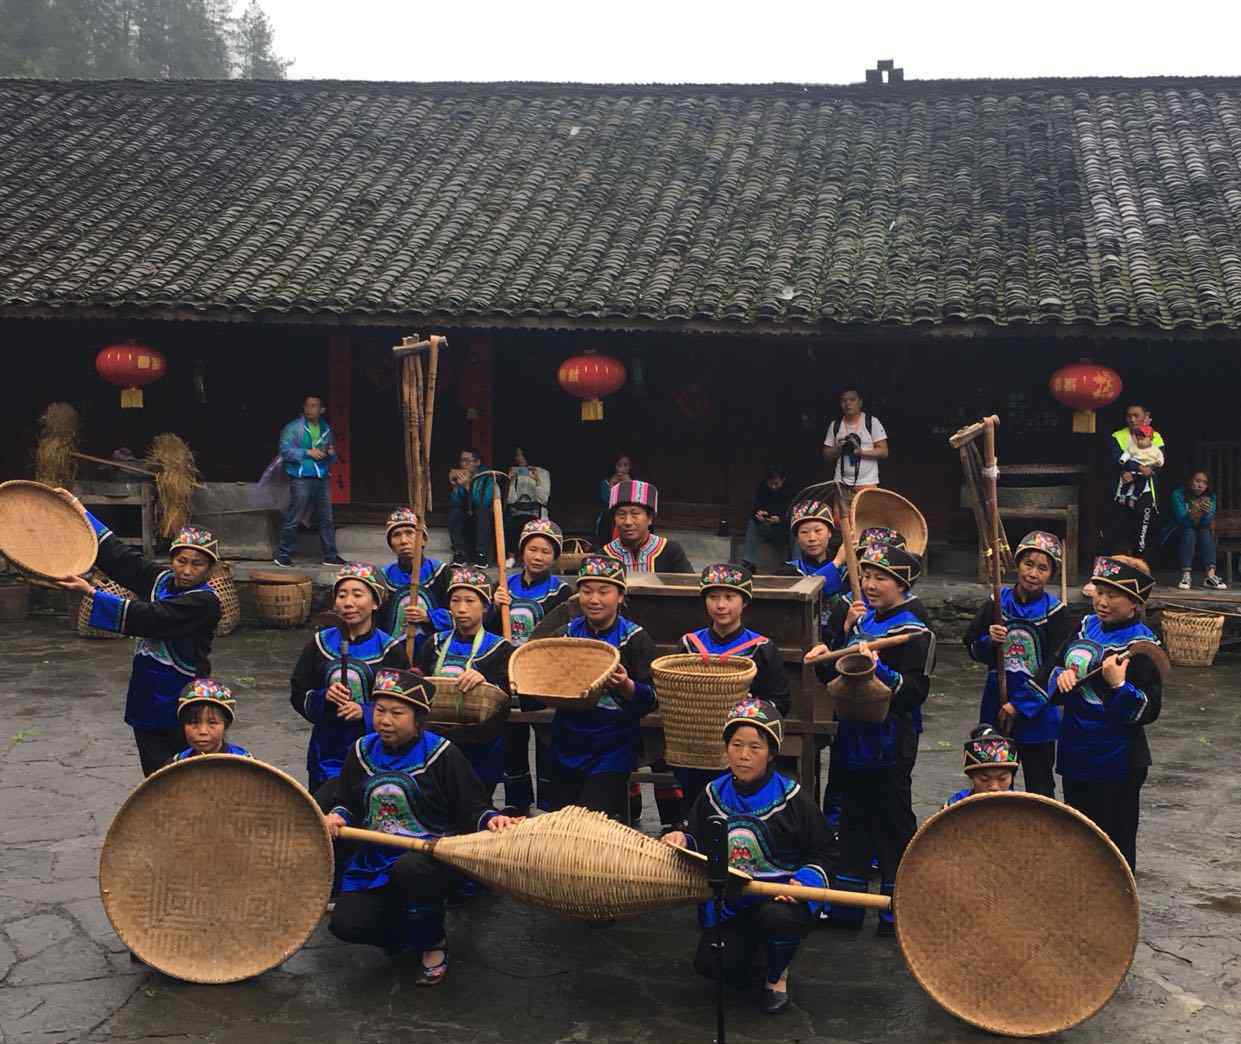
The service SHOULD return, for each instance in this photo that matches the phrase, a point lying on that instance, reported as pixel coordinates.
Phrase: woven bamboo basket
(1192, 639)
(575, 549)
(225, 588)
(223, 833)
(282, 599)
(566, 673)
(87, 603)
(476, 716)
(694, 699)
(874, 506)
(954, 887)
(856, 694)
(43, 535)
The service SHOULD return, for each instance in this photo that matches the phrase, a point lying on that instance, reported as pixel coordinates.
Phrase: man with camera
(855, 444)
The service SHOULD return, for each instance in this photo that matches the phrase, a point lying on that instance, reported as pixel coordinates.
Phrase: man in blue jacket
(308, 450)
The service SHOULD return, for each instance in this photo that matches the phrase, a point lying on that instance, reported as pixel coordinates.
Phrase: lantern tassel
(131, 398)
(592, 409)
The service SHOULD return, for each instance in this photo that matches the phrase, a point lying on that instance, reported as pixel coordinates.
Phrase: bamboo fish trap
(695, 697)
(467, 717)
(566, 673)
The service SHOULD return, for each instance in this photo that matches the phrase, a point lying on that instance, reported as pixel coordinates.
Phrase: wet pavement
(524, 976)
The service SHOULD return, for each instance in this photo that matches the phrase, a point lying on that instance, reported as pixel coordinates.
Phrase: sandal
(433, 975)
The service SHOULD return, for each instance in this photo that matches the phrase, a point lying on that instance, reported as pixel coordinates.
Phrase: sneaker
(284, 561)
(1185, 584)
(1214, 583)
(334, 560)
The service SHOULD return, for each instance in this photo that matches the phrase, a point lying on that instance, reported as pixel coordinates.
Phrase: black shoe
(284, 561)
(774, 1001)
(334, 560)
(885, 929)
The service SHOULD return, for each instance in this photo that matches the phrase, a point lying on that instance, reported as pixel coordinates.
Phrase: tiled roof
(1109, 202)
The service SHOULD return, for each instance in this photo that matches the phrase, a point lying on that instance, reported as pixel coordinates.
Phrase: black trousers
(518, 784)
(156, 747)
(1037, 760)
(776, 926)
(472, 536)
(606, 792)
(405, 914)
(1113, 807)
(877, 820)
(1131, 530)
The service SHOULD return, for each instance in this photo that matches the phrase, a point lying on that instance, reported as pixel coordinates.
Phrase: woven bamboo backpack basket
(575, 549)
(1192, 639)
(566, 673)
(282, 599)
(467, 717)
(221, 582)
(695, 696)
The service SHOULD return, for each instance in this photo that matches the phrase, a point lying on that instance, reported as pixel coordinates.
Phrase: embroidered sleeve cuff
(101, 531)
(889, 677)
(1128, 703)
(344, 814)
(108, 611)
(486, 818)
(812, 875)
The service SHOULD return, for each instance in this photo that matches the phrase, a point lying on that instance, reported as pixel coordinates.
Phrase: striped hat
(602, 567)
(762, 714)
(470, 578)
(209, 691)
(196, 539)
(643, 494)
(542, 527)
(403, 685)
(727, 577)
(364, 573)
(401, 518)
(1048, 543)
(986, 748)
(811, 511)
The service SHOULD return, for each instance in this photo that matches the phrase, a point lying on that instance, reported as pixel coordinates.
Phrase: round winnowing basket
(856, 694)
(1192, 639)
(467, 717)
(1072, 954)
(216, 869)
(43, 535)
(87, 602)
(225, 588)
(282, 599)
(694, 699)
(874, 506)
(566, 673)
(570, 560)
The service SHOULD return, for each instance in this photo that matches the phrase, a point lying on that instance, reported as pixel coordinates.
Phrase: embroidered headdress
(364, 573)
(207, 690)
(1123, 577)
(901, 565)
(762, 714)
(197, 539)
(470, 578)
(811, 511)
(1048, 543)
(729, 577)
(602, 567)
(403, 685)
(545, 528)
(986, 748)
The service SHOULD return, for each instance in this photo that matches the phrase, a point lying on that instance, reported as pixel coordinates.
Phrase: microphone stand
(717, 878)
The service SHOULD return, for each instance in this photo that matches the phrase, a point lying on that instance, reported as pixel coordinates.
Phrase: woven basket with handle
(225, 587)
(467, 717)
(575, 549)
(695, 696)
(1192, 639)
(566, 673)
(282, 599)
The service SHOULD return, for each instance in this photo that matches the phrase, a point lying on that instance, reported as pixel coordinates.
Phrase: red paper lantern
(591, 377)
(130, 366)
(1085, 387)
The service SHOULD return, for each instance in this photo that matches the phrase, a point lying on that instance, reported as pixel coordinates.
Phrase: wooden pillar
(476, 395)
(338, 397)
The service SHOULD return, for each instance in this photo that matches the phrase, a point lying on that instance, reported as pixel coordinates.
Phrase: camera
(851, 444)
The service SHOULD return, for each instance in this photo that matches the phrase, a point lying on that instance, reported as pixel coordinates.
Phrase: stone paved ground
(523, 976)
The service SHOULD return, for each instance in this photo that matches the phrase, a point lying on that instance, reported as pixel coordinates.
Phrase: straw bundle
(467, 717)
(568, 673)
(874, 506)
(174, 483)
(694, 699)
(58, 440)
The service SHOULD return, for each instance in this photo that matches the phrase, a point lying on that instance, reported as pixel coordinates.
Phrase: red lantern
(130, 366)
(591, 377)
(1085, 387)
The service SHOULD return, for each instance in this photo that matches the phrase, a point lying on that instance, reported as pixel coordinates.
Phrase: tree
(256, 57)
(26, 40)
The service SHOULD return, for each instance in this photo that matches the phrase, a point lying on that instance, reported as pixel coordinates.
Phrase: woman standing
(176, 624)
(622, 469)
(1193, 526)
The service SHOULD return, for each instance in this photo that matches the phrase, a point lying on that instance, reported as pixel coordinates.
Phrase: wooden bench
(1227, 539)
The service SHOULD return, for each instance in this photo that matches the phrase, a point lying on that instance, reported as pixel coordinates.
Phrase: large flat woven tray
(218, 847)
(964, 887)
(565, 673)
(43, 535)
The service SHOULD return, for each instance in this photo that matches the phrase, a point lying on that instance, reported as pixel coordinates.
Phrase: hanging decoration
(1085, 387)
(130, 366)
(590, 377)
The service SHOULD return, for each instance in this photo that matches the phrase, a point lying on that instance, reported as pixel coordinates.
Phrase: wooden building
(744, 250)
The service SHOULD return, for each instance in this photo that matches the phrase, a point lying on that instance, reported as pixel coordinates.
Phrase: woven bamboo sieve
(694, 699)
(224, 838)
(467, 717)
(874, 506)
(225, 588)
(567, 673)
(87, 602)
(282, 599)
(954, 888)
(1192, 639)
(42, 534)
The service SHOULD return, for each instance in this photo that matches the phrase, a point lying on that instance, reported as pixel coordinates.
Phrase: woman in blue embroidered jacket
(1103, 757)
(206, 709)
(532, 593)
(174, 612)
(873, 760)
(593, 752)
(473, 655)
(775, 833)
(1036, 624)
(339, 709)
(403, 779)
(431, 612)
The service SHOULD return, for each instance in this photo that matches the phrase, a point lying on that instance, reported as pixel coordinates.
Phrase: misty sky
(637, 41)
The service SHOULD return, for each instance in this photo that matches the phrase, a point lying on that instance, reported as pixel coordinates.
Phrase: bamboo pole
(845, 521)
(992, 474)
(878, 643)
(497, 518)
